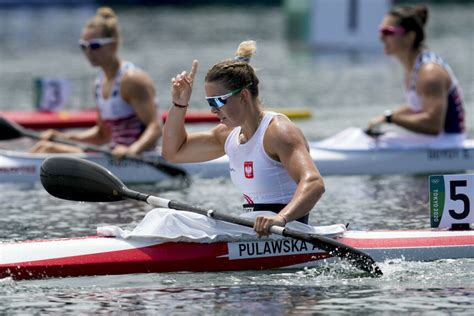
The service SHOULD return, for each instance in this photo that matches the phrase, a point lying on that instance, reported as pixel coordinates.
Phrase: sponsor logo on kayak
(248, 169)
(269, 248)
(20, 169)
(448, 154)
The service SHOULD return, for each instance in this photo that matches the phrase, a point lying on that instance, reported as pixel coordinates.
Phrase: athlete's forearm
(174, 132)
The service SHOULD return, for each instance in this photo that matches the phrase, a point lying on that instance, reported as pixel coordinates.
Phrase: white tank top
(117, 114)
(260, 178)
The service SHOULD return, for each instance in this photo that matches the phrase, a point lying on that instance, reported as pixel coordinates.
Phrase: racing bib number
(451, 200)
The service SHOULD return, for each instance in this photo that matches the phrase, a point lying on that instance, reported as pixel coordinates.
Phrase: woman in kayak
(124, 95)
(268, 155)
(433, 96)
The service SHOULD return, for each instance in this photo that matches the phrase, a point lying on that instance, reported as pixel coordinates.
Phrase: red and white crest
(248, 169)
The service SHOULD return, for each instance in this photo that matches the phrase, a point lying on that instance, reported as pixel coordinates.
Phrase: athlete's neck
(408, 59)
(251, 125)
(110, 70)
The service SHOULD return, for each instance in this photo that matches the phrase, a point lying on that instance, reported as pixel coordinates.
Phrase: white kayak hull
(19, 167)
(107, 256)
(392, 161)
(348, 159)
(353, 152)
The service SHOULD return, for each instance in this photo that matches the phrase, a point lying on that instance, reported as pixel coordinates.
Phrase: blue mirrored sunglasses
(219, 101)
(95, 43)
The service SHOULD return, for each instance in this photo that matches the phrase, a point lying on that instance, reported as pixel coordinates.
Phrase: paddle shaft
(82, 180)
(333, 247)
(156, 162)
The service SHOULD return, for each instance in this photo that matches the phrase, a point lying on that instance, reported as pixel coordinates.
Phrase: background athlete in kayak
(433, 96)
(124, 94)
(269, 158)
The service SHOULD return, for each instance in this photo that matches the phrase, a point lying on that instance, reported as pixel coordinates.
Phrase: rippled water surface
(342, 89)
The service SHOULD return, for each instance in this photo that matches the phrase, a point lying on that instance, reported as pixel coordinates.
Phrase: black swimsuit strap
(273, 207)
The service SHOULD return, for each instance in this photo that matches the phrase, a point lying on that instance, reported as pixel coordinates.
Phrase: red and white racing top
(260, 178)
(117, 114)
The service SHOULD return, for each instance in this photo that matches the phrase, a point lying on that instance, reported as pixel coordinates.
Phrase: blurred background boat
(341, 87)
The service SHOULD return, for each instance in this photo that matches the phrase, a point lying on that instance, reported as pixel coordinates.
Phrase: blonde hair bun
(245, 50)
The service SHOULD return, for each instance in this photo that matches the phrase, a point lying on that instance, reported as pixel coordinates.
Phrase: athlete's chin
(386, 48)
(94, 63)
(388, 51)
(227, 123)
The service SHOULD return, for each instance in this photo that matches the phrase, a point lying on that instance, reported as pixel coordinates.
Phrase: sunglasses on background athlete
(95, 43)
(391, 30)
(219, 101)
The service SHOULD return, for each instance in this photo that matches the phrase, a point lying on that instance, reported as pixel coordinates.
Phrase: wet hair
(106, 21)
(412, 19)
(236, 73)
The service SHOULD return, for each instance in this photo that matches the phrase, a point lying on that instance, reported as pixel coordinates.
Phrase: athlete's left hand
(120, 151)
(263, 224)
(375, 122)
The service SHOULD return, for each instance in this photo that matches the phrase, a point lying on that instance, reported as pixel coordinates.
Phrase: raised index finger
(193, 69)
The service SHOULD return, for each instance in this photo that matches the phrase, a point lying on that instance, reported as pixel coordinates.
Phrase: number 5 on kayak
(452, 201)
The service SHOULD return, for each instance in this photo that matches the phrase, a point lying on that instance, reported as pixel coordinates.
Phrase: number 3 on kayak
(452, 201)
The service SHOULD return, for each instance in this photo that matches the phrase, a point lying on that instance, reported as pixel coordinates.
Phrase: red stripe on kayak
(88, 117)
(403, 242)
(42, 120)
(167, 257)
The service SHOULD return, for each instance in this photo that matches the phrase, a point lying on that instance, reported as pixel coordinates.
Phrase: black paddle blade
(9, 130)
(373, 133)
(77, 179)
(359, 259)
(355, 256)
